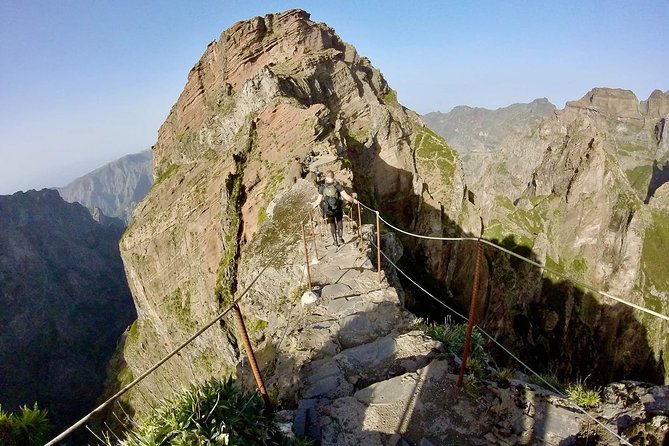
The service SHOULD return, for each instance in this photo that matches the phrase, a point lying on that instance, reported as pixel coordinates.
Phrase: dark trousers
(337, 225)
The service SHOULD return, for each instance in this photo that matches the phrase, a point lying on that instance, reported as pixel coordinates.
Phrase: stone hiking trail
(376, 380)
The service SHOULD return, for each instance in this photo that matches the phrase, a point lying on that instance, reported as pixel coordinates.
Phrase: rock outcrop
(584, 194)
(115, 188)
(229, 163)
(65, 304)
(610, 101)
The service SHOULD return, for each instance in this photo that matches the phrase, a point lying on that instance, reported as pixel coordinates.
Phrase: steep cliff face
(583, 193)
(229, 191)
(65, 303)
(114, 188)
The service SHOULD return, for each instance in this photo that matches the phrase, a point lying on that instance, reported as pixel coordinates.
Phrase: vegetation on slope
(27, 427)
(214, 413)
(655, 248)
(435, 154)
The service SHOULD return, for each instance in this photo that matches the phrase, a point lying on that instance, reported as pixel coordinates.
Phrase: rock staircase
(376, 381)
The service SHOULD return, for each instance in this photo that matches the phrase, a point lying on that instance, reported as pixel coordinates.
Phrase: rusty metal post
(319, 220)
(359, 226)
(472, 311)
(313, 234)
(252, 358)
(378, 244)
(306, 256)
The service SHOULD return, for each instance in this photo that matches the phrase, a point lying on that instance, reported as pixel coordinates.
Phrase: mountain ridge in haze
(114, 188)
(476, 132)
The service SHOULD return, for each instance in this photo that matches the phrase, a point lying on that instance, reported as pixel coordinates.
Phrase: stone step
(405, 408)
(358, 367)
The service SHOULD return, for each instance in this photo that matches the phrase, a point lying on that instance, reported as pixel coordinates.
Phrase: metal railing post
(378, 245)
(320, 225)
(472, 311)
(252, 358)
(306, 256)
(359, 226)
(313, 234)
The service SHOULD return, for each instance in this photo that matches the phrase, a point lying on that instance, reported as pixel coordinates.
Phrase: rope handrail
(525, 259)
(175, 351)
(518, 360)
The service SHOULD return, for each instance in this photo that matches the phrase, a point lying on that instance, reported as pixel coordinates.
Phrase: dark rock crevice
(659, 177)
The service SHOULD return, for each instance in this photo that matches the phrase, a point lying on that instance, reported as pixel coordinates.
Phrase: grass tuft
(453, 336)
(583, 396)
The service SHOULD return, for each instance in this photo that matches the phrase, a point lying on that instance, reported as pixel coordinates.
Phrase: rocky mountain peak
(273, 101)
(272, 39)
(23, 208)
(115, 188)
(477, 132)
(262, 49)
(657, 104)
(610, 101)
(622, 104)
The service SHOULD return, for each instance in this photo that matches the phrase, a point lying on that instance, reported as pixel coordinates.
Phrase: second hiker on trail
(330, 196)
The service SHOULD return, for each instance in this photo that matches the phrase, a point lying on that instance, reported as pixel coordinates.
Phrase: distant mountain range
(477, 132)
(114, 188)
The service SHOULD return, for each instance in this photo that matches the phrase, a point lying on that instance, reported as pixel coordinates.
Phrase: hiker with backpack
(330, 195)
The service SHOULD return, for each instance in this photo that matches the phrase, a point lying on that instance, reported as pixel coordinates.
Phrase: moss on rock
(434, 153)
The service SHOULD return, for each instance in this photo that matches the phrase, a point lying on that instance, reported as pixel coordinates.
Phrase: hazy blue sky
(84, 82)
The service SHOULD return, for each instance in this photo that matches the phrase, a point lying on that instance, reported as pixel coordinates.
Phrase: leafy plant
(582, 396)
(503, 375)
(212, 413)
(476, 366)
(29, 426)
(454, 335)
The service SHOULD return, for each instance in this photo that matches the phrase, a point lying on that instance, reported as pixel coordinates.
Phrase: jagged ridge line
(153, 368)
(527, 367)
(525, 259)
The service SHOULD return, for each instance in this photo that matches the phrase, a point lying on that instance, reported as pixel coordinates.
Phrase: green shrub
(503, 375)
(212, 413)
(476, 366)
(583, 396)
(453, 336)
(390, 98)
(29, 426)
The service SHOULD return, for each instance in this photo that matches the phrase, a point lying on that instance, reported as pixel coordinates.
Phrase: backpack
(331, 200)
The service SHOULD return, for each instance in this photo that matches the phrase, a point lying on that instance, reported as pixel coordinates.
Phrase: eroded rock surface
(229, 193)
(583, 190)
